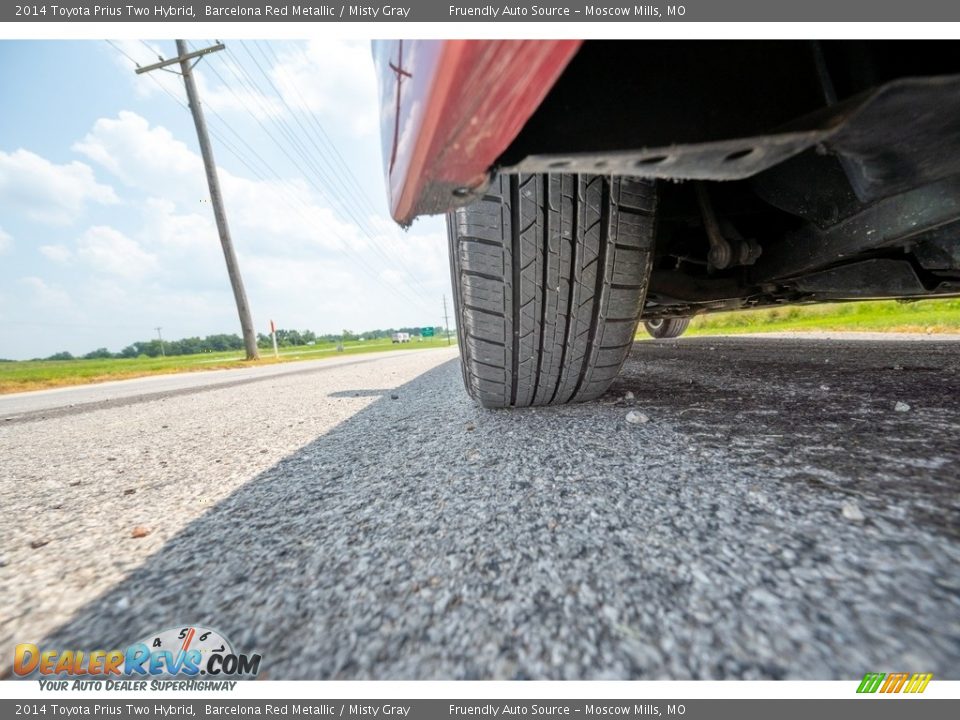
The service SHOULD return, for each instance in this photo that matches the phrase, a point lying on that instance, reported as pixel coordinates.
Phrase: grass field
(39, 374)
(935, 316)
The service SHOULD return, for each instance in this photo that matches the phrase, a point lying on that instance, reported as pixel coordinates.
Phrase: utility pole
(213, 182)
(446, 324)
(162, 352)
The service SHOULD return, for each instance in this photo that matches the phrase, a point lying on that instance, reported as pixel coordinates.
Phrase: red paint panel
(449, 108)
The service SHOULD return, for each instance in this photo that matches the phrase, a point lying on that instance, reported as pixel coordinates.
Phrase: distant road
(734, 508)
(15, 405)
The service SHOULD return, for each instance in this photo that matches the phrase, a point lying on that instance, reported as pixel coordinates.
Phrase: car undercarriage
(593, 186)
(790, 172)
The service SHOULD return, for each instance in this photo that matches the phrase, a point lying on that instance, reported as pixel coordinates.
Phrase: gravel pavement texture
(732, 508)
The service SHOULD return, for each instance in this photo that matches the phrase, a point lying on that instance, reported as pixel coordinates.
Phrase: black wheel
(549, 275)
(667, 327)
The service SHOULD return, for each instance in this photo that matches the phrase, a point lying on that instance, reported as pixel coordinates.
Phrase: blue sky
(106, 231)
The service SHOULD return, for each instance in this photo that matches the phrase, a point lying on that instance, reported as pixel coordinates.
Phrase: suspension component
(727, 247)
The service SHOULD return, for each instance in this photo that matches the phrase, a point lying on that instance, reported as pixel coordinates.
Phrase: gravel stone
(852, 511)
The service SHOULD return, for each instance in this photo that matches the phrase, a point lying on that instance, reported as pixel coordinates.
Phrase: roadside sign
(426, 332)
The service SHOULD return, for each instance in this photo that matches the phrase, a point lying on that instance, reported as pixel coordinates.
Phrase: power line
(344, 247)
(403, 294)
(122, 52)
(259, 175)
(251, 86)
(229, 147)
(291, 134)
(344, 169)
(322, 133)
(351, 210)
(324, 139)
(147, 46)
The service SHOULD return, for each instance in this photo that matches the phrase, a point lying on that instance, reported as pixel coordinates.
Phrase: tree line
(224, 342)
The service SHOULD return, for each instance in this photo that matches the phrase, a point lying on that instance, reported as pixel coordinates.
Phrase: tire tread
(549, 275)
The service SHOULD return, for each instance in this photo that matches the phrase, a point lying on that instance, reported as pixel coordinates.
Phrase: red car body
(451, 107)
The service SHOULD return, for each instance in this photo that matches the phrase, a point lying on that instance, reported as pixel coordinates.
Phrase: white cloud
(144, 156)
(47, 192)
(284, 216)
(110, 251)
(160, 261)
(6, 241)
(333, 78)
(57, 253)
(170, 231)
(48, 297)
(186, 244)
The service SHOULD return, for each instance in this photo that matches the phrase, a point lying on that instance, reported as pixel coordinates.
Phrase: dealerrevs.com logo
(175, 659)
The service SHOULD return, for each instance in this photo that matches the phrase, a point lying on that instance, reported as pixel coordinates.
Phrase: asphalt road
(68, 399)
(775, 516)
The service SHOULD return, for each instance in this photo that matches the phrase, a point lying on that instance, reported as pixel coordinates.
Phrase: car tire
(667, 327)
(550, 273)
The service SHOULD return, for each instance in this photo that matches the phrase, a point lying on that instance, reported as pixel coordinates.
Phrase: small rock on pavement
(139, 532)
(394, 396)
(636, 418)
(901, 407)
(852, 511)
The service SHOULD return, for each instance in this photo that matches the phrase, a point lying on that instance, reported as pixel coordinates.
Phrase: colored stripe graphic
(894, 682)
(918, 682)
(870, 682)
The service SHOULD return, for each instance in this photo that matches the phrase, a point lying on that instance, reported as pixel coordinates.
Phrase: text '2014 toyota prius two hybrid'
(593, 185)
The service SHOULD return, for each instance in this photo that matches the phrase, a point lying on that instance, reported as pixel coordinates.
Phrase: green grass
(937, 316)
(39, 374)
